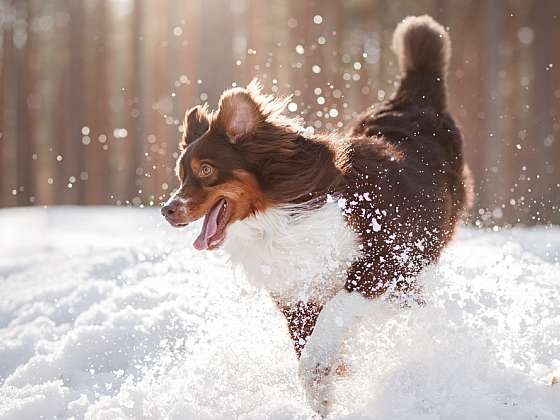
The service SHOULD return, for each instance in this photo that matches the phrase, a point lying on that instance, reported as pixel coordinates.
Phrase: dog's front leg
(301, 317)
(321, 360)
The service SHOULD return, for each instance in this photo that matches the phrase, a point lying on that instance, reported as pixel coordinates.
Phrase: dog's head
(221, 161)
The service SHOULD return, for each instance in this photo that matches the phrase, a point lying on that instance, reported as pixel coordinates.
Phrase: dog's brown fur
(398, 169)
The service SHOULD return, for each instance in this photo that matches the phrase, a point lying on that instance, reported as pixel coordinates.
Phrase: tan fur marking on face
(195, 165)
(245, 194)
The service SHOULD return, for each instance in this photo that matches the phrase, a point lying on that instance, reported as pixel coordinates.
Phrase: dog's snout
(175, 212)
(169, 209)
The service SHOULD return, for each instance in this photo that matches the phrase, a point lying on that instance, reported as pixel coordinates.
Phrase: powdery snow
(107, 313)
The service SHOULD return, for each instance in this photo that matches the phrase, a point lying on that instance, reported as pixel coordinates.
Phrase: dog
(329, 219)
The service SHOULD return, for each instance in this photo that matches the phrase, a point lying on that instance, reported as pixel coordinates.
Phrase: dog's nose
(169, 209)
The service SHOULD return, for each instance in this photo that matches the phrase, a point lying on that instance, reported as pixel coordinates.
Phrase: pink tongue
(209, 227)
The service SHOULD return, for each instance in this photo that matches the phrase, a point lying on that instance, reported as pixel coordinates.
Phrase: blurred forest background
(93, 92)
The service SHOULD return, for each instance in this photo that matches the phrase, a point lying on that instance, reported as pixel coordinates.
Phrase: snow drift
(106, 313)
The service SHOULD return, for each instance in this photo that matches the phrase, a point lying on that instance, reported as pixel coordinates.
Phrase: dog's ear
(196, 123)
(238, 114)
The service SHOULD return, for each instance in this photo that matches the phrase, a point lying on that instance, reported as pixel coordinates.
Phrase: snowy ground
(106, 313)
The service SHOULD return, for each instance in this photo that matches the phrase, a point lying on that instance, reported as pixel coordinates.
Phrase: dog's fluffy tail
(423, 48)
(422, 44)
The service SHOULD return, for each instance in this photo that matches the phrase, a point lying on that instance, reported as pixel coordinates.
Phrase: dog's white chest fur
(295, 257)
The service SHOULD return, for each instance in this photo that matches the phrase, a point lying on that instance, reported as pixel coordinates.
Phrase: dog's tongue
(209, 227)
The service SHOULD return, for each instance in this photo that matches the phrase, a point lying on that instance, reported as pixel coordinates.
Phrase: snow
(107, 313)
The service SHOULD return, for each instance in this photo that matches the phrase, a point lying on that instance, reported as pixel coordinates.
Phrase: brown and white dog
(322, 219)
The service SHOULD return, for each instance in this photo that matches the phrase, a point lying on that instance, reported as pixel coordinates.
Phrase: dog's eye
(205, 170)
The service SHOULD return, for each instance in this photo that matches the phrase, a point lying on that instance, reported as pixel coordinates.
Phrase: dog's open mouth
(213, 229)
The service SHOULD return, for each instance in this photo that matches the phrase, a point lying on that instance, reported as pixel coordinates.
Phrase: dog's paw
(317, 384)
